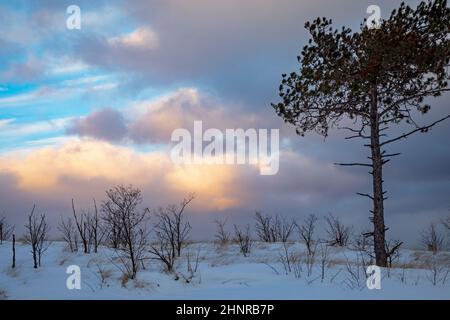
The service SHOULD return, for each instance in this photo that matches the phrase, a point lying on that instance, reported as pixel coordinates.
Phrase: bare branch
(421, 129)
(365, 195)
(390, 155)
(354, 164)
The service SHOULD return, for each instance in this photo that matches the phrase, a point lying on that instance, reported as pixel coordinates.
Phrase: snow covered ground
(223, 273)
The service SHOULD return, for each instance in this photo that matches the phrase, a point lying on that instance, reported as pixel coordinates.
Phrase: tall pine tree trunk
(377, 179)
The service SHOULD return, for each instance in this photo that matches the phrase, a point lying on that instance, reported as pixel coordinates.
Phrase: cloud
(153, 121)
(43, 94)
(82, 169)
(65, 65)
(5, 122)
(12, 129)
(59, 92)
(87, 80)
(141, 38)
(240, 49)
(46, 171)
(106, 124)
(23, 72)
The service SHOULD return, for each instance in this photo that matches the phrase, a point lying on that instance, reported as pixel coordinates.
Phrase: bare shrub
(263, 227)
(121, 206)
(191, 266)
(338, 233)
(163, 251)
(172, 225)
(70, 235)
(83, 228)
(446, 223)
(222, 236)
(356, 273)
(273, 229)
(324, 260)
(306, 231)
(282, 229)
(310, 259)
(6, 230)
(171, 233)
(291, 261)
(243, 238)
(432, 240)
(297, 268)
(392, 251)
(97, 232)
(89, 228)
(437, 272)
(356, 270)
(403, 275)
(36, 236)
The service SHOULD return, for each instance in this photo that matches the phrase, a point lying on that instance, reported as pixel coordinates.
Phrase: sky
(84, 110)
